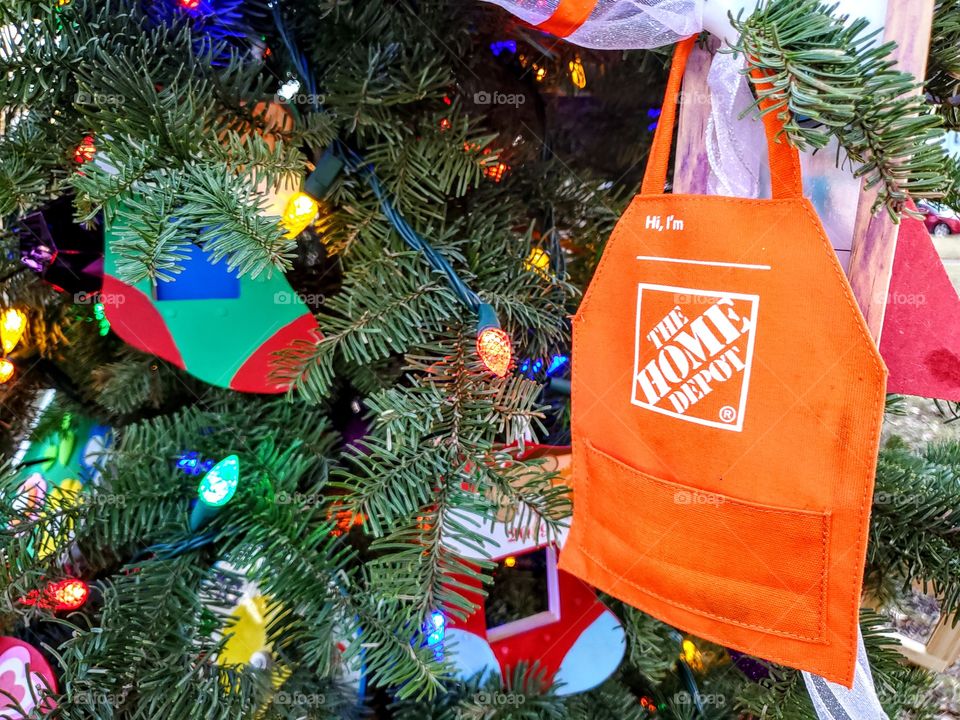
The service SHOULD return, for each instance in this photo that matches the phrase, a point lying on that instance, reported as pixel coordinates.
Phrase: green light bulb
(220, 482)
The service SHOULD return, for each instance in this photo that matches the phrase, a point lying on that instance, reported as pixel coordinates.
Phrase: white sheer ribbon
(835, 702)
(621, 24)
(734, 147)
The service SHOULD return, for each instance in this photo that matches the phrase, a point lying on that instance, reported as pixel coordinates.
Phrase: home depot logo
(693, 353)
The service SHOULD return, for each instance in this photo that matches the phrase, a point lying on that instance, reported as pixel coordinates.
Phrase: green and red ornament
(219, 326)
(54, 470)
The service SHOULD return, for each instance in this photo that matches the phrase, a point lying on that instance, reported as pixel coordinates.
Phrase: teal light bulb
(220, 482)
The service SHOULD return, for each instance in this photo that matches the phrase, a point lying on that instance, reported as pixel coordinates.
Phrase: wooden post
(691, 168)
(875, 236)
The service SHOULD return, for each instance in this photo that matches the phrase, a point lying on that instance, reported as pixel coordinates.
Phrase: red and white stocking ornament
(575, 639)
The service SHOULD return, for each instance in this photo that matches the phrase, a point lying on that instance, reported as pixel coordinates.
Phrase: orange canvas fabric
(727, 404)
(568, 17)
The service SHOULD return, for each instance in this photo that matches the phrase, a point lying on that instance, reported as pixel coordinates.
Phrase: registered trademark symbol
(728, 413)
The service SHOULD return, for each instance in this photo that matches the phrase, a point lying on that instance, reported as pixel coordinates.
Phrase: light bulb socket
(486, 317)
(321, 179)
(202, 515)
(560, 386)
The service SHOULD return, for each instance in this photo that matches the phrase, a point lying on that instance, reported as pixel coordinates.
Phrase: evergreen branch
(914, 526)
(227, 212)
(818, 67)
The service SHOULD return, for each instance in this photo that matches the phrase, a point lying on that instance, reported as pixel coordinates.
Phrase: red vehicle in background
(940, 220)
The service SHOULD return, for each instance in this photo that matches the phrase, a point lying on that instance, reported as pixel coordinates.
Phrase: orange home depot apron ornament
(727, 403)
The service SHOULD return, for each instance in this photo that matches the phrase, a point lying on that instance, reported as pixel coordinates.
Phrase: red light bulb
(85, 150)
(495, 349)
(68, 594)
(190, 4)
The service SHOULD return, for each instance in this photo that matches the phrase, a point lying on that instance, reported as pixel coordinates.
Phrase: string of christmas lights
(493, 343)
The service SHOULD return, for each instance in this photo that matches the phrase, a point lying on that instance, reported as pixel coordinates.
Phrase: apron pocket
(704, 552)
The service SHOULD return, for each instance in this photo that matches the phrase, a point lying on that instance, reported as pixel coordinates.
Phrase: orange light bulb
(495, 350)
(578, 76)
(496, 172)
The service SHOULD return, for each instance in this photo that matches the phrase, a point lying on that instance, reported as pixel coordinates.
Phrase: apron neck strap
(568, 17)
(784, 160)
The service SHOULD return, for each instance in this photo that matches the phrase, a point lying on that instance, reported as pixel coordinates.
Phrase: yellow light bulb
(12, 324)
(300, 212)
(510, 561)
(691, 655)
(537, 261)
(6, 370)
(578, 76)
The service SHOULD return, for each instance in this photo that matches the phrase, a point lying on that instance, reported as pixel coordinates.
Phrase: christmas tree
(395, 207)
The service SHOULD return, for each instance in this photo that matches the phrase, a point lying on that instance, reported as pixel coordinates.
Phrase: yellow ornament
(64, 496)
(247, 634)
(12, 324)
(245, 630)
(578, 76)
